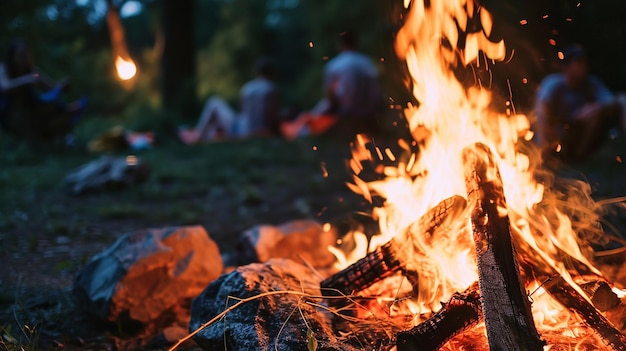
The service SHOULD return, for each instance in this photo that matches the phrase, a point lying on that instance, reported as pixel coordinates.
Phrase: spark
(324, 170)
(314, 147)
(552, 42)
(390, 154)
(310, 44)
(523, 22)
(560, 55)
(618, 159)
(379, 153)
(524, 80)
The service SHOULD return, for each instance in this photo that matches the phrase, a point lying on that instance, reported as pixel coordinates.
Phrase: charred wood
(390, 258)
(506, 307)
(570, 298)
(460, 313)
(565, 294)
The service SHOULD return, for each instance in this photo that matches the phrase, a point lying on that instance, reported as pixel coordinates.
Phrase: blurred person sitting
(353, 98)
(575, 110)
(259, 111)
(30, 102)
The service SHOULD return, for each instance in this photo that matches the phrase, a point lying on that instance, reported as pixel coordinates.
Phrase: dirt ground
(47, 235)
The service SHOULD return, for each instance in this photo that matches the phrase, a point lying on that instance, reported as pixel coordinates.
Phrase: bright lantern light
(125, 69)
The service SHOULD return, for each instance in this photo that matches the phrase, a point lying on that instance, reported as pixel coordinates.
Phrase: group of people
(574, 109)
(352, 101)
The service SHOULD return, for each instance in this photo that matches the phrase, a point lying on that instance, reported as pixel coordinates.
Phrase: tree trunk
(178, 58)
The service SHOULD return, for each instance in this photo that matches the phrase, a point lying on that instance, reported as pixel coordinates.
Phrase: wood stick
(506, 306)
(566, 295)
(569, 297)
(460, 313)
(391, 258)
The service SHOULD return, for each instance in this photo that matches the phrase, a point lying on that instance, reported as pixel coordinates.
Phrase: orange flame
(436, 40)
(126, 69)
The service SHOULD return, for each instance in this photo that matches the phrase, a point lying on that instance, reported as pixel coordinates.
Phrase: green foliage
(311, 340)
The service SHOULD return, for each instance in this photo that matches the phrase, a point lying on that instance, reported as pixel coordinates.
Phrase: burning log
(565, 294)
(506, 307)
(389, 258)
(570, 298)
(460, 313)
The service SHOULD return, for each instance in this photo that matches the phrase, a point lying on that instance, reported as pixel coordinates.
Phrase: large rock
(149, 276)
(299, 240)
(272, 322)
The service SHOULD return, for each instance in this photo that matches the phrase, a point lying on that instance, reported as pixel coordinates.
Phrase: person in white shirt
(353, 95)
(259, 111)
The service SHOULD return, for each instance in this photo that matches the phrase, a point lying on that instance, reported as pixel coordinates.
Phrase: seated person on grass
(353, 96)
(259, 112)
(575, 110)
(30, 103)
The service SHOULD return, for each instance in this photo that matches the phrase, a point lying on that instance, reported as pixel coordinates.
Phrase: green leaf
(312, 342)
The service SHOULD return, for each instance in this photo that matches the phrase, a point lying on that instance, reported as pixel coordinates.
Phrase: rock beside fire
(150, 277)
(280, 321)
(300, 240)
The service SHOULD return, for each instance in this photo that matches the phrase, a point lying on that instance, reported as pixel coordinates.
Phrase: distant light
(325, 58)
(125, 69)
(523, 22)
(524, 80)
(310, 44)
(131, 8)
(382, 59)
(618, 159)
(560, 55)
(569, 19)
(552, 42)
(545, 16)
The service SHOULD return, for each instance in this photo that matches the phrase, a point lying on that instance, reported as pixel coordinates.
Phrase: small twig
(310, 266)
(282, 326)
(530, 296)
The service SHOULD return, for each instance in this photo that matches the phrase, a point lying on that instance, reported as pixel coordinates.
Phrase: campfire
(469, 245)
(473, 252)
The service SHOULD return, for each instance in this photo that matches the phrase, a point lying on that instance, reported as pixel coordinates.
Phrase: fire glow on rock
(435, 40)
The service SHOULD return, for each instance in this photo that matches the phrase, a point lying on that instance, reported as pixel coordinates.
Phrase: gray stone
(281, 321)
(275, 322)
(149, 276)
